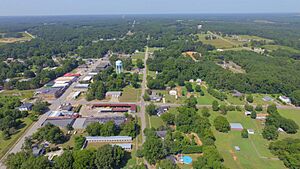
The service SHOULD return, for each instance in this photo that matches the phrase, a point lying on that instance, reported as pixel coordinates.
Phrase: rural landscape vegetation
(161, 91)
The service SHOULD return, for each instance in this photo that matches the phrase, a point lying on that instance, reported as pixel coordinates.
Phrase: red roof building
(72, 74)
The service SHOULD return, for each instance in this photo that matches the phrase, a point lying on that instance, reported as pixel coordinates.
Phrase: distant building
(248, 113)
(199, 27)
(81, 86)
(173, 92)
(76, 95)
(118, 107)
(82, 123)
(50, 93)
(236, 126)
(59, 122)
(66, 107)
(236, 93)
(36, 151)
(26, 107)
(113, 94)
(87, 78)
(285, 99)
(250, 131)
(261, 116)
(103, 65)
(109, 139)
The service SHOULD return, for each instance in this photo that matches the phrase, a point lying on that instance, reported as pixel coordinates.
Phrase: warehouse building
(131, 108)
(109, 139)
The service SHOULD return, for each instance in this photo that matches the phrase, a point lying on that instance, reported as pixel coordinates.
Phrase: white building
(173, 92)
(119, 66)
(285, 99)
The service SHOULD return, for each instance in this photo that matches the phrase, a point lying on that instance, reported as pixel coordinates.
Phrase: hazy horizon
(140, 7)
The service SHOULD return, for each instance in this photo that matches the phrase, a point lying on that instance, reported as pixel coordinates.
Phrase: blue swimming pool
(187, 159)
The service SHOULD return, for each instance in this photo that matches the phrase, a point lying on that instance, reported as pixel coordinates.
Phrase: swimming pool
(187, 159)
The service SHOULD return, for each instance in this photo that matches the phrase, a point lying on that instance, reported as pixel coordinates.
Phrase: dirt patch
(233, 155)
(197, 139)
(232, 67)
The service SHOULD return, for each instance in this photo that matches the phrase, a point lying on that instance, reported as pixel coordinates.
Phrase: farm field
(130, 94)
(26, 37)
(255, 148)
(218, 43)
(6, 144)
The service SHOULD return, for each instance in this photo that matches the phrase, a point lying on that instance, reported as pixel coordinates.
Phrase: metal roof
(100, 138)
(236, 125)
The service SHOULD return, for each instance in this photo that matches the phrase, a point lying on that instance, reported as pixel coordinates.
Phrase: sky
(103, 7)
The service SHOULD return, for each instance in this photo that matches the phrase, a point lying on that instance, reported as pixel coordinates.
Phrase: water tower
(119, 66)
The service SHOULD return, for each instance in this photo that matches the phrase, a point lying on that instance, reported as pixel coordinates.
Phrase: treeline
(288, 151)
(275, 121)
(263, 74)
(10, 117)
(43, 77)
(107, 156)
(129, 128)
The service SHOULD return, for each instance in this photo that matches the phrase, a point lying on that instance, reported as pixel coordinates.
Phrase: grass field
(138, 55)
(6, 144)
(22, 94)
(130, 94)
(256, 38)
(218, 43)
(151, 50)
(156, 122)
(275, 47)
(293, 114)
(254, 150)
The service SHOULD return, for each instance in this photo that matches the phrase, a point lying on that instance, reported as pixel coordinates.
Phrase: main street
(54, 106)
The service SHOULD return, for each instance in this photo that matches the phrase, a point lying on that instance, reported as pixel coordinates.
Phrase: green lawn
(254, 150)
(275, 47)
(6, 144)
(156, 122)
(130, 94)
(138, 55)
(207, 99)
(293, 114)
(153, 49)
(22, 94)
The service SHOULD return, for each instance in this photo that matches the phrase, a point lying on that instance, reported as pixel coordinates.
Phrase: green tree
(146, 97)
(248, 107)
(84, 159)
(36, 163)
(259, 108)
(79, 141)
(168, 118)
(272, 109)
(270, 132)
(189, 87)
(153, 149)
(244, 133)
(166, 164)
(253, 115)
(140, 63)
(94, 129)
(108, 129)
(151, 109)
(65, 161)
(221, 124)
(249, 98)
(15, 161)
(198, 88)
(40, 107)
(191, 102)
(295, 97)
(205, 112)
(223, 109)
(215, 105)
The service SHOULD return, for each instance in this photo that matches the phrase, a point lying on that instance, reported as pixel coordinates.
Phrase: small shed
(237, 148)
(236, 126)
(267, 99)
(250, 131)
(247, 113)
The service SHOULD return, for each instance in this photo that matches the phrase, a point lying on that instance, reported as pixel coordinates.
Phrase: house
(198, 81)
(87, 79)
(285, 99)
(173, 92)
(261, 116)
(250, 131)
(236, 93)
(161, 134)
(247, 113)
(26, 107)
(267, 99)
(161, 110)
(191, 80)
(36, 151)
(236, 126)
(237, 148)
(280, 130)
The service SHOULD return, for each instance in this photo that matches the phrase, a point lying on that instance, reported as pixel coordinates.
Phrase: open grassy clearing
(130, 94)
(151, 50)
(6, 144)
(22, 94)
(26, 37)
(156, 122)
(256, 38)
(218, 43)
(254, 150)
(275, 47)
(293, 114)
(138, 55)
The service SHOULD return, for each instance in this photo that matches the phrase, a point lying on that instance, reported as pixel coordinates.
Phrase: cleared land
(130, 94)
(26, 37)
(22, 94)
(218, 43)
(254, 150)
